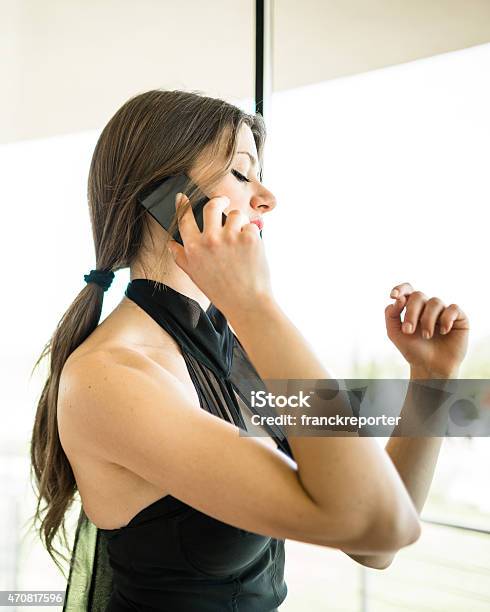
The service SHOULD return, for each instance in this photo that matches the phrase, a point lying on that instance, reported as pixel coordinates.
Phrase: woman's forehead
(246, 141)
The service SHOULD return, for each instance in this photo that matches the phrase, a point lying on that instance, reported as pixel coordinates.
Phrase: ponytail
(50, 467)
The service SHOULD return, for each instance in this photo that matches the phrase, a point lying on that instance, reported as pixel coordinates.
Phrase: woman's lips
(258, 222)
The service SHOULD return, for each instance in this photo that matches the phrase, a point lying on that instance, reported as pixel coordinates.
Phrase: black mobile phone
(159, 201)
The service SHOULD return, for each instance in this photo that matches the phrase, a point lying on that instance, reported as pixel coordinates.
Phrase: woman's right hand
(227, 262)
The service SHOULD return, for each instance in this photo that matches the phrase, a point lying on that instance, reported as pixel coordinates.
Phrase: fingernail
(178, 198)
(394, 293)
(425, 334)
(407, 327)
(443, 330)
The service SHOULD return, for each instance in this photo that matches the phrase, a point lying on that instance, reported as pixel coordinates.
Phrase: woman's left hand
(439, 354)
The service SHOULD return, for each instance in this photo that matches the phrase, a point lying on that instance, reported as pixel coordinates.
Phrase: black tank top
(171, 557)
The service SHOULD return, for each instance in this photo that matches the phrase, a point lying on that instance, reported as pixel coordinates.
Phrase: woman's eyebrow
(252, 158)
(254, 163)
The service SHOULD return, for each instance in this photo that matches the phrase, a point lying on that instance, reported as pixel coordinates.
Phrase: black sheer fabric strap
(89, 586)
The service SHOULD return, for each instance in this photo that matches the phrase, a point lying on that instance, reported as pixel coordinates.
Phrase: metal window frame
(264, 19)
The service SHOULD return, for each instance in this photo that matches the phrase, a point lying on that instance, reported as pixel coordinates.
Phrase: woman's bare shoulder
(111, 352)
(116, 343)
(126, 333)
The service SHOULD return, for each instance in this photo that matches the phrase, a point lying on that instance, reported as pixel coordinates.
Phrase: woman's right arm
(352, 486)
(342, 492)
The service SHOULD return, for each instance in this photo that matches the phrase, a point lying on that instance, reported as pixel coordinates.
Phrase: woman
(140, 414)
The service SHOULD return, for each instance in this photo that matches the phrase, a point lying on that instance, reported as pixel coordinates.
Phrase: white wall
(68, 64)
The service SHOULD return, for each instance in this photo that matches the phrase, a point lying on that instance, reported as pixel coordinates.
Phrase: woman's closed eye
(240, 176)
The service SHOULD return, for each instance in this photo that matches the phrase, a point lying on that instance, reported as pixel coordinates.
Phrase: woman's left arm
(437, 355)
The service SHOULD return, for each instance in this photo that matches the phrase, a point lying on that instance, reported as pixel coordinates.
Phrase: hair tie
(103, 278)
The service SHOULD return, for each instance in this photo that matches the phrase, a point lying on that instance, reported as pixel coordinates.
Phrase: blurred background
(378, 153)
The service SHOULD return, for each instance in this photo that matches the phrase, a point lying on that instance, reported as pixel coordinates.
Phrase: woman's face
(242, 184)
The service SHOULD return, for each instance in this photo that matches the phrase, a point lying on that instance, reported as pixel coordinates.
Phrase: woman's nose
(264, 202)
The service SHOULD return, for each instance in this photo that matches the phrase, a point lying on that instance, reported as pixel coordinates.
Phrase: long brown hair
(155, 134)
